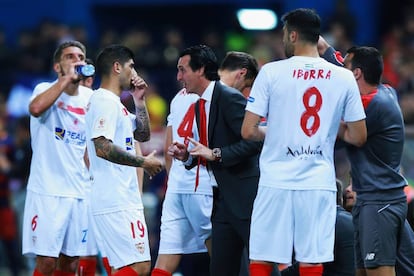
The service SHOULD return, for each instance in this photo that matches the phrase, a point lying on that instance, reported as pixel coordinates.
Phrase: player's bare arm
(354, 133)
(168, 142)
(251, 129)
(68, 81)
(142, 132)
(107, 150)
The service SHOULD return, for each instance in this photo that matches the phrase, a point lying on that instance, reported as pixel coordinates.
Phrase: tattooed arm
(115, 154)
(107, 150)
(142, 131)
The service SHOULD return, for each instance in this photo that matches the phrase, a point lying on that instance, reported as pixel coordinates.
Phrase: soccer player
(55, 224)
(185, 220)
(304, 99)
(116, 203)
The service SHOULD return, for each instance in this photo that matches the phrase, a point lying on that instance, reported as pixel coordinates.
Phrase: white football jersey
(182, 121)
(304, 100)
(58, 143)
(115, 186)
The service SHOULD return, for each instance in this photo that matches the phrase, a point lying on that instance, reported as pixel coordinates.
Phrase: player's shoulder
(43, 86)
(183, 93)
(275, 64)
(85, 91)
(183, 99)
(100, 95)
(338, 70)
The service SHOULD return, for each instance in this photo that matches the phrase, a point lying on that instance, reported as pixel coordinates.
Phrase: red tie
(203, 122)
(203, 136)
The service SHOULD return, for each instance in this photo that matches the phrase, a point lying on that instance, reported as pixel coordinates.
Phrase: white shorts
(122, 237)
(54, 225)
(286, 219)
(185, 223)
(91, 246)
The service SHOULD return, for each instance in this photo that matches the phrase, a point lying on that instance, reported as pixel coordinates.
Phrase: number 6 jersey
(304, 100)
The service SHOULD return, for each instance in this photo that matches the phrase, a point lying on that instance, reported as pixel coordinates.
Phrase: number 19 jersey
(304, 100)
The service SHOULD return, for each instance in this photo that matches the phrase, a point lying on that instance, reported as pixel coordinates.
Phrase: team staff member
(381, 203)
(116, 203)
(55, 224)
(233, 161)
(296, 163)
(237, 70)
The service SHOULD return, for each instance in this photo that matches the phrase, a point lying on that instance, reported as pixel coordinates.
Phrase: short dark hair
(203, 56)
(237, 60)
(304, 21)
(71, 43)
(369, 60)
(111, 54)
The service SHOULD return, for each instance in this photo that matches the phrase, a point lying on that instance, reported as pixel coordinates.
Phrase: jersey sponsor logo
(370, 257)
(250, 99)
(76, 110)
(70, 137)
(311, 74)
(59, 133)
(129, 143)
(304, 153)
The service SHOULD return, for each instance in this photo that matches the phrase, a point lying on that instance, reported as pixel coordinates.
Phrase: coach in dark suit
(232, 161)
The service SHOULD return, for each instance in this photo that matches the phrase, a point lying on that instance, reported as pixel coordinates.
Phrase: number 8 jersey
(304, 100)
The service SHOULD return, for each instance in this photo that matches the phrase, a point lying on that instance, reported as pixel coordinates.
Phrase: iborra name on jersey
(311, 74)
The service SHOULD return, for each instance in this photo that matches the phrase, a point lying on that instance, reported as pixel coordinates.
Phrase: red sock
(260, 269)
(126, 271)
(63, 273)
(37, 273)
(107, 266)
(315, 270)
(87, 267)
(160, 272)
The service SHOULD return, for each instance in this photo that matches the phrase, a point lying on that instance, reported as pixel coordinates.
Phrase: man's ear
(58, 68)
(117, 67)
(293, 36)
(357, 73)
(243, 72)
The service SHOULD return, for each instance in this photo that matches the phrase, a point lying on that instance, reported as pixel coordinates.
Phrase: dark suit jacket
(237, 175)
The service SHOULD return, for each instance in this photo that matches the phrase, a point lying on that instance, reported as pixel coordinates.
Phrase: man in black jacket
(232, 161)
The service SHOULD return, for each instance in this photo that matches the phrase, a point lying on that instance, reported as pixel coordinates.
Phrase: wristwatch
(217, 154)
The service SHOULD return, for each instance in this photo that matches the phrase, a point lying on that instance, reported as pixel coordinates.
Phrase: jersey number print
(185, 129)
(310, 120)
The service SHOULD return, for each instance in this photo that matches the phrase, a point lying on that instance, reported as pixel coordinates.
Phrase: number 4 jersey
(304, 100)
